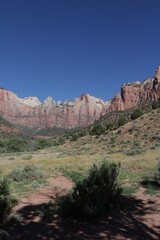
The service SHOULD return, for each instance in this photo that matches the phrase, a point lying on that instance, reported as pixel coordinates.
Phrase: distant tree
(156, 104)
(121, 121)
(110, 126)
(97, 130)
(136, 114)
(43, 143)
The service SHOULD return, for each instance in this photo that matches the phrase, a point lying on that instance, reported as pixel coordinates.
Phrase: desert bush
(157, 175)
(98, 190)
(74, 137)
(7, 201)
(43, 143)
(121, 121)
(156, 137)
(82, 133)
(153, 148)
(136, 114)
(156, 104)
(29, 172)
(17, 145)
(110, 127)
(97, 130)
(60, 141)
(16, 174)
(14, 145)
(137, 143)
(2, 144)
(135, 151)
(112, 140)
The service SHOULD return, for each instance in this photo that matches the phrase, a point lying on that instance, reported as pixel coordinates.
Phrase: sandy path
(138, 219)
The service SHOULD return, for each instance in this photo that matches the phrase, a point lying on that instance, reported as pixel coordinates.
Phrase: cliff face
(135, 93)
(31, 113)
(81, 112)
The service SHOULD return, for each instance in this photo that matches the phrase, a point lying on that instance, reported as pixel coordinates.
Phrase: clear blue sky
(63, 48)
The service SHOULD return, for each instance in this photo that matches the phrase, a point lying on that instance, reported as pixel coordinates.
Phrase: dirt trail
(138, 219)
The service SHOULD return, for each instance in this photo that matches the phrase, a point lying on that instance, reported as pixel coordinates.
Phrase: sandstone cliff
(31, 113)
(81, 112)
(133, 94)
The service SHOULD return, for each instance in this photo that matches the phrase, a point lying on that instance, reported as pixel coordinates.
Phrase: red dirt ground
(138, 218)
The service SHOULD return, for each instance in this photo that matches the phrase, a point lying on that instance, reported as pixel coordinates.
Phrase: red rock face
(79, 113)
(83, 112)
(134, 93)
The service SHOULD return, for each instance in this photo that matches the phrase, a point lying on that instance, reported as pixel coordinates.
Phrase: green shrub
(97, 191)
(97, 130)
(110, 127)
(135, 151)
(82, 133)
(17, 145)
(16, 174)
(29, 172)
(136, 114)
(32, 173)
(2, 144)
(153, 147)
(157, 176)
(75, 176)
(43, 143)
(7, 201)
(60, 141)
(137, 143)
(155, 104)
(14, 145)
(121, 121)
(112, 140)
(74, 137)
(156, 137)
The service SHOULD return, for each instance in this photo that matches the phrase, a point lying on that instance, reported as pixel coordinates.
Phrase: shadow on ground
(128, 223)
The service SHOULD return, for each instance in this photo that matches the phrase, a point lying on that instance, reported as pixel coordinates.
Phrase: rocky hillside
(8, 130)
(80, 112)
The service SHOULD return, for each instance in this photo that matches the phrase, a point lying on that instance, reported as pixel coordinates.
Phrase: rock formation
(81, 112)
(133, 94)
(33, 114)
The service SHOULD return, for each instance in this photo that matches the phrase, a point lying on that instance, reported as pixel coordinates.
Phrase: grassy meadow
(136, 145)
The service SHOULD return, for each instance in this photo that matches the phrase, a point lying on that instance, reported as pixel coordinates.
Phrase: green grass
(75, 176)
(73, 157)
(128, 190)
(64, 159)
(21, 188)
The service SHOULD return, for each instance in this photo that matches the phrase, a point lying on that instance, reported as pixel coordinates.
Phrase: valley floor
(136, 145)
(138, 218)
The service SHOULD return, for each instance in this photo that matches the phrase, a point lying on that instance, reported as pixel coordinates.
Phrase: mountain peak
(30, 101)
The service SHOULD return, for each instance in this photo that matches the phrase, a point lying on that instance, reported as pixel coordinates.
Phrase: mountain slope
(7, 129)
(133, 138)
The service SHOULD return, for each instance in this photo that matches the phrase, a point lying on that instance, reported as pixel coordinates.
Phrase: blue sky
(63, 48)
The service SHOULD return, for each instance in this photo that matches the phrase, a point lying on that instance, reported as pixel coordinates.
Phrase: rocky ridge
(80, 112)
(32, 113)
